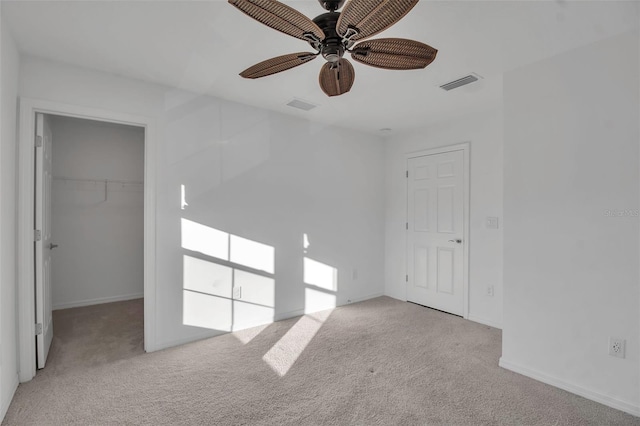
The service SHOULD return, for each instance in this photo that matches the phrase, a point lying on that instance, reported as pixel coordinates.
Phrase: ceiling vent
(300, 104)
(473, 77)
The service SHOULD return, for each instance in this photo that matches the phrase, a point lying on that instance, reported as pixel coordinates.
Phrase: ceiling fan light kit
(334, 33)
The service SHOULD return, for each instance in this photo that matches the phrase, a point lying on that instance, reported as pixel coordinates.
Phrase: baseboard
(609, 401)
(299, 312)
(252, 324)
(470, 317)
(184, 341)
(97, 301)
(287, 315)
(484, 321)
(395, 296)
(278, 317)
(362, 299)
(7, 401)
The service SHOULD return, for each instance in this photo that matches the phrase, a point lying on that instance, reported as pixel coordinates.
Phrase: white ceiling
(202, 46)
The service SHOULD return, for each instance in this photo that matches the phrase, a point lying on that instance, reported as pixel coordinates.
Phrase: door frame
(465, 147)
(28, 108)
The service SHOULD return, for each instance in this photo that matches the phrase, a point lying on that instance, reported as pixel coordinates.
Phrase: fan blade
(394, 53)
(338, 80)
(281, 17)
(278, 64)
(369, 17)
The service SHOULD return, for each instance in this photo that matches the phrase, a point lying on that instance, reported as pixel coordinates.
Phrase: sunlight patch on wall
(207, 277)
(321, 282)
(320, 275)
(254, 300)
(204, 239)
(247, 315)
(316, 300)
(221, 296)
(252, 254)
(206, 311)
(183, 197)
(305, 242)
(207, 291)
(283, 355)
(255, 288)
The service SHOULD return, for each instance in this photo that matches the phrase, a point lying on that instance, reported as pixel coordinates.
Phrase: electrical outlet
(490, 290)
(616, 347)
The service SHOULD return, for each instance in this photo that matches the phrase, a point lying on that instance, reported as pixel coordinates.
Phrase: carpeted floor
(379, 362)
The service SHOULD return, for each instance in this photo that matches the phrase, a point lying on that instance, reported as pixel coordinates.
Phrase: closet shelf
(105, 186)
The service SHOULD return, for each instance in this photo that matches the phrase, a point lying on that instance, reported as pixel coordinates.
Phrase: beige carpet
(380, 362)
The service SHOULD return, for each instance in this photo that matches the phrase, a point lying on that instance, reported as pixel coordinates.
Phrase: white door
(43, 245)
(435, 227)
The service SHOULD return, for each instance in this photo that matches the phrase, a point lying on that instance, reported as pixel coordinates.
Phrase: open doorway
(29, 290)
(89, 212)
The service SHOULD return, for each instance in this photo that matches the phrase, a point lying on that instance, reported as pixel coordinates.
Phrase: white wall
(259, 175)
(570, 269)
(484, 132)
(100, 253)
(9, 63)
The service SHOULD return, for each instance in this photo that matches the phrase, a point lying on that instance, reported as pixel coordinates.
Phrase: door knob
(456, 241)
(52, 246)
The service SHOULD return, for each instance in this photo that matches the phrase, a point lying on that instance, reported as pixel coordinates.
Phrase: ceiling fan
(334, 33)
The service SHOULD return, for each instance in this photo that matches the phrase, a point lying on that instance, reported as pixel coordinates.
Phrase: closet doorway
(27, 152)
(89, 249)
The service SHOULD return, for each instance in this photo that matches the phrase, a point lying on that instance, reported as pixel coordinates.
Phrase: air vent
(460, 82)
(300, 104)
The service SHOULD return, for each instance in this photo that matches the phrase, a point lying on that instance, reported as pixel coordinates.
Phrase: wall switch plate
(490, 290)
(237, 292)
(492, 222)
(616, 347)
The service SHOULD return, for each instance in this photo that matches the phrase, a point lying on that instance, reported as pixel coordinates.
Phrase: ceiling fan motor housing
(331, 5)
(332, 47)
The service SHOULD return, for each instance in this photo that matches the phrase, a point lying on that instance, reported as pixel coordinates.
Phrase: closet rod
(99, 181)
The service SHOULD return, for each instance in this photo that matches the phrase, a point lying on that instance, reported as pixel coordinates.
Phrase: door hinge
(407, 174)
(406, 278)
(38, 235)
(38, 329)
(38, 141)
